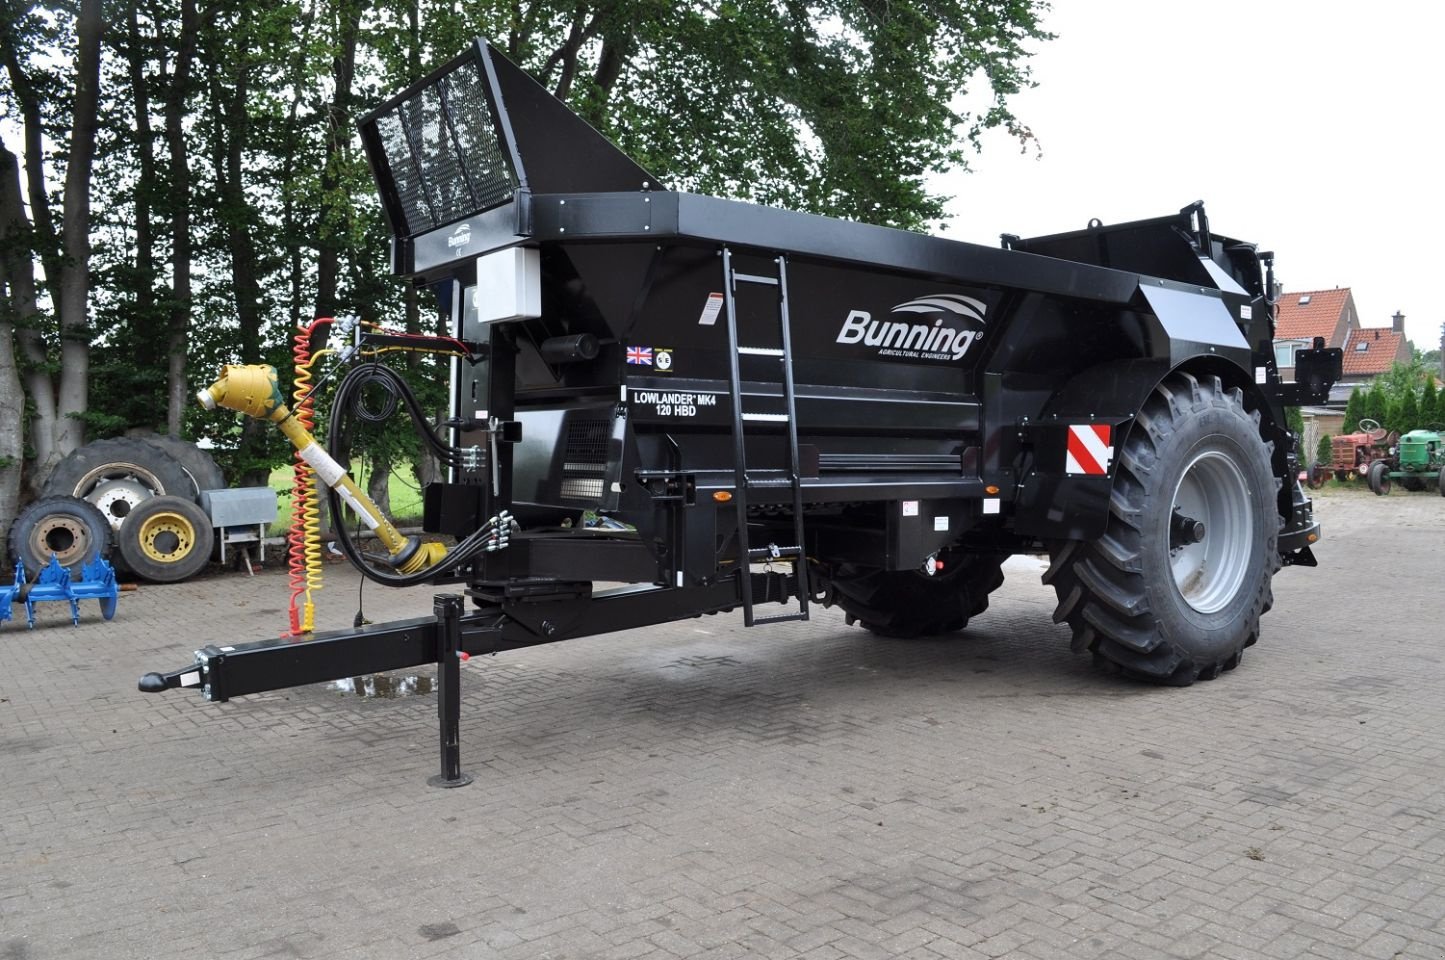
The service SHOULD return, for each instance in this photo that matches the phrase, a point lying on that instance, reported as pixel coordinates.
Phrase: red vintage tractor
(1352, 453)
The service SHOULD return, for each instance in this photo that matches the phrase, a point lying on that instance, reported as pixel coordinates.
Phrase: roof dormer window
(1362, 346)
(1304, 299)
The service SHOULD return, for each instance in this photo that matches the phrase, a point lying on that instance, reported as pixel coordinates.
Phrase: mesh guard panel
(443, 152)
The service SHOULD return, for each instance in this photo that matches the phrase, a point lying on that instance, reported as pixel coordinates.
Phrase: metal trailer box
(240, 515)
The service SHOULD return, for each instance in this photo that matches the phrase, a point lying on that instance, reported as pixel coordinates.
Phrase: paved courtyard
(702, 790)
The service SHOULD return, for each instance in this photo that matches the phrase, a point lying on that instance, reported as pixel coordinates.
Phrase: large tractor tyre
(1378, 478)
(1174, 589)
(1442, 481)
(68, 527)
(1413, 484)
(118, 475)
(203, 471)
(910, 603)
(166, 539)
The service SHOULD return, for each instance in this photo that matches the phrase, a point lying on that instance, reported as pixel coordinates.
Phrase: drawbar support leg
(448, 608)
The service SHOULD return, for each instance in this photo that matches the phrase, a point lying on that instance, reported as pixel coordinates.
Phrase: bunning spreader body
(772, 410)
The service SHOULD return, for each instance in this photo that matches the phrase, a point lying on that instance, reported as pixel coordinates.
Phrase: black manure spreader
(771, 410)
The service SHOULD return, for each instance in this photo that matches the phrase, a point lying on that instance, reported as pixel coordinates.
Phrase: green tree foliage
(1354, 411)
(1295, 421)
(1377, 404)
(1430, 409)
(1323, 453)
(1407, 413)
(233, 202)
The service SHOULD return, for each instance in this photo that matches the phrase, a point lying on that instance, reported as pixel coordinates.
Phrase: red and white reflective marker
(1089, 450)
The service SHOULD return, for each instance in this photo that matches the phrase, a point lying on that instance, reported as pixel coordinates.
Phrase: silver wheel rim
(115, 499)
(1208, 574)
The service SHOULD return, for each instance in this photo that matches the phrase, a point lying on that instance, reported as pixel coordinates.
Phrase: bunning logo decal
(949, 324)
(460, 237)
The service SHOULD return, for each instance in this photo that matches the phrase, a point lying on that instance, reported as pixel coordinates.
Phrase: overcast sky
(1314, 129)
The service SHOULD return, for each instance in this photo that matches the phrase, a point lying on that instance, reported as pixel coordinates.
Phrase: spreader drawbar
(446, 639)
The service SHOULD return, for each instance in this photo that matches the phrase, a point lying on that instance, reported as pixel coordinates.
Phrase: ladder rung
(761, 351)
(769, 482)
(767, 417)
(754, 278)
(785, 618)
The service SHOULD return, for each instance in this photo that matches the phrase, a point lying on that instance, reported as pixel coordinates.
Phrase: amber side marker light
(1313, 537)
(721, 496)
(990, 490)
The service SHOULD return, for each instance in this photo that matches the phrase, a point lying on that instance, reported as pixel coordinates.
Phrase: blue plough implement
(97, 582)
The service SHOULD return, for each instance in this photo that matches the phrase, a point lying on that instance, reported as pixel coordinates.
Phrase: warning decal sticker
(1089, 451)
(711, 309)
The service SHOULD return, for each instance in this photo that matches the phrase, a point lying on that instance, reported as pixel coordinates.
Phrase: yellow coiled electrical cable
(304, 551)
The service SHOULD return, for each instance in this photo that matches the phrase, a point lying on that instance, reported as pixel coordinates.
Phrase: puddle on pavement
(383, 686)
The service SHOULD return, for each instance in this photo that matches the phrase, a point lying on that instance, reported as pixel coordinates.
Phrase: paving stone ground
(702, 790)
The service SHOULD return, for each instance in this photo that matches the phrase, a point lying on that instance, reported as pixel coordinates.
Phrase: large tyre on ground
(1174, 589)
(117, 475)
(1378, 478)
(1442, 481)
(910, 603)
(68, 527)
(166, 539)
(198, 464)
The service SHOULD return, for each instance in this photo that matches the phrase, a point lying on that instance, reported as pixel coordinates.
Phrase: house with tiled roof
(1302, 316)
(1371, 351)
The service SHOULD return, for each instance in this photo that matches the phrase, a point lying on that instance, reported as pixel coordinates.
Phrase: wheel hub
(1212, 497)
(65, 537)
(1184, 530)
(166, 537)
(115, 499)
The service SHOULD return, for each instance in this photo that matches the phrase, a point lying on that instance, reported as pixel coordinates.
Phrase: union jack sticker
(1090, 450)
(640, 355)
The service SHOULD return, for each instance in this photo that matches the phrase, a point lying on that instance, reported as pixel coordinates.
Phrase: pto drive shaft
(252, 389)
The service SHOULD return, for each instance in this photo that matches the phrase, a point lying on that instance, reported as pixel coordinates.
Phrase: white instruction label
(940, 524)
(910, 508)
(1246, 312)
(711, 309)
(990, 505)
(1261, 375)
(326, 468)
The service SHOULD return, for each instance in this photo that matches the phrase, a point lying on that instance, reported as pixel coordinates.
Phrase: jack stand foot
(440, 781)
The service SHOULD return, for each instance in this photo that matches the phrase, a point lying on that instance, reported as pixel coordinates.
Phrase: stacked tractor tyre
(132, 500)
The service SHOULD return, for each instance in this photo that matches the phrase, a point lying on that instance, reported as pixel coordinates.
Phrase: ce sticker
(662, 359)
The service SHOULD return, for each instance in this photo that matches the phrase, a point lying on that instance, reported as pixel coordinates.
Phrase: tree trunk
(17, 282)
(178, 394)
(75, 333)
(378, 484)
(232, 132)
(58, 400)
(335, 210)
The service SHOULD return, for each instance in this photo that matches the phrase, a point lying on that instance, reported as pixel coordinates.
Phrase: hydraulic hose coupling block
(251, 389)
